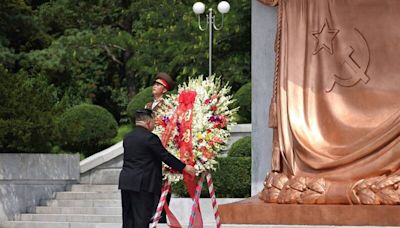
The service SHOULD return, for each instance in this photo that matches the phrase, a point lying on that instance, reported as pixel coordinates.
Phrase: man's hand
(190, 170)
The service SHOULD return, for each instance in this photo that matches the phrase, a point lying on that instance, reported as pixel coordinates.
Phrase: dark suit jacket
(143, 153)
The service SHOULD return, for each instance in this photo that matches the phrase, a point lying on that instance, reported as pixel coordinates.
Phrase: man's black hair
(143, 114)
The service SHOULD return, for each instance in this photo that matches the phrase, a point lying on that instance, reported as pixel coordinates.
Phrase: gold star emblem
(325, 38)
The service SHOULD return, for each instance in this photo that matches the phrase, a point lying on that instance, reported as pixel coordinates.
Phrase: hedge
(86, 128)
(241, 148)
(231, 180)
(139, 101)
(243, 100)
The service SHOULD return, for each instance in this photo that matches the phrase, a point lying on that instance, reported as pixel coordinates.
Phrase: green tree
(19, 32)
(16, 24)
(27, 112)
(167, 38)
(161, 36)
(77, 64)
(105, 52)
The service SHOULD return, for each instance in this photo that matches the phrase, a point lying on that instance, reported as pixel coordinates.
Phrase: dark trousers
(137, 208)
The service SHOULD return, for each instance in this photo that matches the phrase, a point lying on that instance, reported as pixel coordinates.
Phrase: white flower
(211, 121)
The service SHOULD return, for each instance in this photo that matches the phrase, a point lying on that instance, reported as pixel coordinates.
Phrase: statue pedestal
(255, 211)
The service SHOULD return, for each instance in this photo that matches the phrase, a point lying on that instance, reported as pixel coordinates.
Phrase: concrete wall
(104, 167)
(106, 173)
(263, 30)
(25, 179)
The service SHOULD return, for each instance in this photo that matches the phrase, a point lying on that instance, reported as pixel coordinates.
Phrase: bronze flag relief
(336, 105)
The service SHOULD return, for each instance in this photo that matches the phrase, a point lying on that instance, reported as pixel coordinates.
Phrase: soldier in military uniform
(162, 84)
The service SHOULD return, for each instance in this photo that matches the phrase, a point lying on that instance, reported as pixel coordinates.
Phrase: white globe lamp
(223, 7)
(199, 8)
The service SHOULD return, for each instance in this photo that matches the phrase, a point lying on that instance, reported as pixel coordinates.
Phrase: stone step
(23, 224)
(175, 202)
(79, 210)
(38, 224)
(70, 218)
(116, 195)
(81, 203)
(93, 188)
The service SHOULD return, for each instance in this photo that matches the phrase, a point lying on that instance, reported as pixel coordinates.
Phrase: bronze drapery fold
(338, 96)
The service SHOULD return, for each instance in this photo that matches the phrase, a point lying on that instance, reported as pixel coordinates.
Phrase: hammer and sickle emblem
(353, 71)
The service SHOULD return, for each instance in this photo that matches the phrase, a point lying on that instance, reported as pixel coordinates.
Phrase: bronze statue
(335, 110)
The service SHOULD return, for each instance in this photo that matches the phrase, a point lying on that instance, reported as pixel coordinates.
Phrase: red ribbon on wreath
(182, 119)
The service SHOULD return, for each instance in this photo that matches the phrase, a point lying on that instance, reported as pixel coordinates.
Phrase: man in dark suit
(141, 178)
(162, 84)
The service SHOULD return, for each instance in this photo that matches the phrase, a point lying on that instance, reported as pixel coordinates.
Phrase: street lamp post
(198, 9)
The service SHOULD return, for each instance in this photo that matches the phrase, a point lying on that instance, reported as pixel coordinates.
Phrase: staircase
(84, 206)
(98, 206)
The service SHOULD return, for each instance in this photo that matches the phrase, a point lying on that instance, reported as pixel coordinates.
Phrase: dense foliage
(27, 110)
(241, 148)
(86, 128)
(243, 99)
(105, 52)
(231, 180)
(139, 101)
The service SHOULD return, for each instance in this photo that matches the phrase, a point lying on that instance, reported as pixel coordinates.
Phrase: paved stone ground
(274, 226)
(119, 225)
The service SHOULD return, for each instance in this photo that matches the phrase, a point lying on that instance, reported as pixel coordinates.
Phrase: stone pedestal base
(255, 211)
